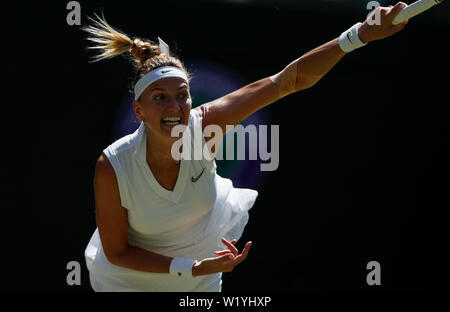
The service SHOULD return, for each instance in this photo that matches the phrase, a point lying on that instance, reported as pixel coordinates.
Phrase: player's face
(165, 104)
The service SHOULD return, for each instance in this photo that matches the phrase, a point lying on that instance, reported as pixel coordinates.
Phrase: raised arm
(300, 74)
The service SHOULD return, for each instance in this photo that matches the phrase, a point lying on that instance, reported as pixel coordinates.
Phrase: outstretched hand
(374, 29)
(226, 261)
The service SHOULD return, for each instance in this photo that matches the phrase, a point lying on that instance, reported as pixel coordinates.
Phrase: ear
(137, 110)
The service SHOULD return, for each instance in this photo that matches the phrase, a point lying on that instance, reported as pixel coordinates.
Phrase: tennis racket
(414, 9)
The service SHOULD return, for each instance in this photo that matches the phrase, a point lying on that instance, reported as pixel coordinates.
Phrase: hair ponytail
(110, 42)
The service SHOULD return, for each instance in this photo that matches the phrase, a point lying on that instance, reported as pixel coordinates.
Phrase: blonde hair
(145, 54)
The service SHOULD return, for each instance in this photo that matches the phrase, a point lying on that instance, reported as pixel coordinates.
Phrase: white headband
(157, 74)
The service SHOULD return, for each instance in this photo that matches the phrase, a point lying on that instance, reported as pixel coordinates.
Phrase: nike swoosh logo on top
(198, 177)
(165, 71)
(348, 36)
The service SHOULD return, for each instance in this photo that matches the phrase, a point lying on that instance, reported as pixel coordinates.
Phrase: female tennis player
(161, 222)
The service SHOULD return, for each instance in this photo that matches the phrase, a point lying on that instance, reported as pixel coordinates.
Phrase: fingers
(397, 8)
(226, 258)
(230, 246)
(393, 12)
(223, 252)
(401, 25)
(396, 28)
(222, 261)
(239, 258)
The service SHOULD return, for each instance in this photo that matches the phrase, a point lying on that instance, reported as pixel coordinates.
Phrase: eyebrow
(162, 89)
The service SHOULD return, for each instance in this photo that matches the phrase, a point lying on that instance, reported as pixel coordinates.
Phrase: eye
(157, 97)
(183, 95)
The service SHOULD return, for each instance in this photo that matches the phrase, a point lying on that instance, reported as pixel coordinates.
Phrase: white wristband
(181, 267)
(349, 39)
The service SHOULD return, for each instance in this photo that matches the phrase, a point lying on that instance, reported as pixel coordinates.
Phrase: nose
(172, 103)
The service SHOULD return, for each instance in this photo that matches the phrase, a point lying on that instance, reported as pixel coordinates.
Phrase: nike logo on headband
(165, 71)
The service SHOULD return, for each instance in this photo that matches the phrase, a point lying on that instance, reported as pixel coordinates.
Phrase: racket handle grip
(414, 9)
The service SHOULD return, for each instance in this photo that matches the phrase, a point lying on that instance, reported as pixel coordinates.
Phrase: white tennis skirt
(227, 218)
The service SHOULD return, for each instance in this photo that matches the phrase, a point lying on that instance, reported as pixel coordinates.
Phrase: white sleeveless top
(187, 222)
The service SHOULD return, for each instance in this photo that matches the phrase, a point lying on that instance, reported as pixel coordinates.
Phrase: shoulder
(125, 146)
(103, 167)
(122, 145)
(117, 155)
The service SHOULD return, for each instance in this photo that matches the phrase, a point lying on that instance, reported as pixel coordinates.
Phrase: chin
(167, 130)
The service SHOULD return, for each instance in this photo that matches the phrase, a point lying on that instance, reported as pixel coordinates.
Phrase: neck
(159, 150)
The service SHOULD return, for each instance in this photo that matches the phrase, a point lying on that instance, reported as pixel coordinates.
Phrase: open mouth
(171, 121)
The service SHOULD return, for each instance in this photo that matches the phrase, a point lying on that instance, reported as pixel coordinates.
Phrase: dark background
(360, 179)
